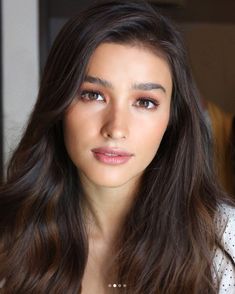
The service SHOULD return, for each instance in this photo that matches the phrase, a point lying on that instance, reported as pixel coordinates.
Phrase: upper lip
(110, 150)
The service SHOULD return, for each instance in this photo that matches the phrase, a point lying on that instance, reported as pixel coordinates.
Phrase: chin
(110, 180)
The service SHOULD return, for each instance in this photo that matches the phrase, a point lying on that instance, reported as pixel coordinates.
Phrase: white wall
(20, 58)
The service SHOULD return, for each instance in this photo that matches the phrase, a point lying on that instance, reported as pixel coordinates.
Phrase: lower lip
(112, 160)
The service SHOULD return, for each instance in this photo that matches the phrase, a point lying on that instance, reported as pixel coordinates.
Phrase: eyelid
(84, 91)
(155, 101)
(87, 91)
(149, 99)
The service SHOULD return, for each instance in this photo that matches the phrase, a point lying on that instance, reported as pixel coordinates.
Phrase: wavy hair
(169, 234)
(233, 151)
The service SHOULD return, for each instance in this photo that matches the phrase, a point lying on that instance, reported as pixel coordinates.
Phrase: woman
(111, 187)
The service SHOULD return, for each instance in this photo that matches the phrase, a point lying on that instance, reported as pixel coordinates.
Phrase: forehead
(132, 53)
(142, 46)
(124, 65)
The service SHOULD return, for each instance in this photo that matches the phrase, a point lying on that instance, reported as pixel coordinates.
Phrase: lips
(111, 156)
(111, 151)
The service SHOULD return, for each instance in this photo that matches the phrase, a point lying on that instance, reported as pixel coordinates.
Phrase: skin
(117, 116)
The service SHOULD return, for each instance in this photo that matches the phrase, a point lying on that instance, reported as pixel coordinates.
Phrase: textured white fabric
(225, 264)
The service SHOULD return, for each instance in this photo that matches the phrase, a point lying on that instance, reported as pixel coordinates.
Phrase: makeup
(112, 156)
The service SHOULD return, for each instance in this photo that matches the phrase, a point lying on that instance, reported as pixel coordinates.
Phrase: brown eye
(146, 103)
(91, 96)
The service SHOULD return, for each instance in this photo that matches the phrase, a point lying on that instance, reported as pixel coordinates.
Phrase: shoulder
(225, 225)
(224, 260)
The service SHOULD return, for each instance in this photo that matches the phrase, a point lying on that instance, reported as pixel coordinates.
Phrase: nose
(115, 124)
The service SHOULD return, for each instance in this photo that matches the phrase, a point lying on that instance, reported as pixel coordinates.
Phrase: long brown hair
(233, 151)
(168, 234)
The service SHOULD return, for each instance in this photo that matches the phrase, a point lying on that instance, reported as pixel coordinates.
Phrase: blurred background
(28, 28)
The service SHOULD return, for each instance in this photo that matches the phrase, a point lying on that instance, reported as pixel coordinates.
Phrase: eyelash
(83, 93)
(154, 102)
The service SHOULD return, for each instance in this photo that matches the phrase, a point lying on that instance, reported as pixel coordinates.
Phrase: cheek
(151, 134)
(79, 130)
(73, 123)
(72, 131)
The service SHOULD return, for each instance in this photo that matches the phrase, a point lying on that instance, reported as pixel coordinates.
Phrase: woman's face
(114, 127)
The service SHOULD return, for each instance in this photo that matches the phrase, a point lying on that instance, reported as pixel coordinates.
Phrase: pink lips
(111, 155)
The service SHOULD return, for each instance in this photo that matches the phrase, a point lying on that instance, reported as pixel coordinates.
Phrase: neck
(105, 209)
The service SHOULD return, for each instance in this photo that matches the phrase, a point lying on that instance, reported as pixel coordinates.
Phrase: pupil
(93, 95)
(145, 103)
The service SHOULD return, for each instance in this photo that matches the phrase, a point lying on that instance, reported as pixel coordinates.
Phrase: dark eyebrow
(148, 87)
(139, 86)
(99, 81)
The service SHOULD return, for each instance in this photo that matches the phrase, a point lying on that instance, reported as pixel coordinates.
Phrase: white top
(225, 266)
